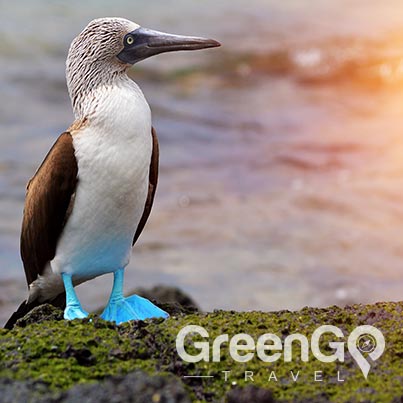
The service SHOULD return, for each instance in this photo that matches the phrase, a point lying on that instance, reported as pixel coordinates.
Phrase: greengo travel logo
(365, 344)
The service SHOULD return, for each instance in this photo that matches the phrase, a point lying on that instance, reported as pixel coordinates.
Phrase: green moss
(63, 353)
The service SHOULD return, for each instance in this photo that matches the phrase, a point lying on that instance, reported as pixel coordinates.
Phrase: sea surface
(281, 181)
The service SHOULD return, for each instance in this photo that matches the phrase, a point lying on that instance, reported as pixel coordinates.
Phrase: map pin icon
(365, 339)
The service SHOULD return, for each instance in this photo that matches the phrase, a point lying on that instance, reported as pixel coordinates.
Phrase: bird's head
(108, 46)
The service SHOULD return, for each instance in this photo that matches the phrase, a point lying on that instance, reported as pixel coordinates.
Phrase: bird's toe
(74, 312)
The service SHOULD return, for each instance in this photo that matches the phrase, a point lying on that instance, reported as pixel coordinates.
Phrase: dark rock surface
(249, 394)
(95, 360)
(135, 387)
(12, 391)
(40, 314)
(168, 295)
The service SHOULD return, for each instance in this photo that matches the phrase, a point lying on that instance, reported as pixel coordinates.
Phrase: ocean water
(281, 181)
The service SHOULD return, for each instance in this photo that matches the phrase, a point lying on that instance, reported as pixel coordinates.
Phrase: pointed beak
(143, 43)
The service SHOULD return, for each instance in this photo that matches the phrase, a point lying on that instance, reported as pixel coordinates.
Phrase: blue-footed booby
(89, 200)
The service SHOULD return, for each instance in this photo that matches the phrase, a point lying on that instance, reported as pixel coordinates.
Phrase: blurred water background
(281, 181)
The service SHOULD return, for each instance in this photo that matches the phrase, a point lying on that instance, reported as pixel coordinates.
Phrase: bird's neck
(118, 107)
(87, 82)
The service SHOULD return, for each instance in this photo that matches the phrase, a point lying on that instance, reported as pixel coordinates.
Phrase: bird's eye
(129, 40)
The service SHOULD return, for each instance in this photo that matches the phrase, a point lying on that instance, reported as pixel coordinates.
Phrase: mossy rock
(54, 356)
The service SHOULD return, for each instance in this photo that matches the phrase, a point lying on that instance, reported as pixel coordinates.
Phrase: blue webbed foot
(74, 312)
(73, 308)
(122, 309)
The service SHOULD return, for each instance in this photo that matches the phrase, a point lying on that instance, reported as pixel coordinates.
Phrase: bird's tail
(25, 307)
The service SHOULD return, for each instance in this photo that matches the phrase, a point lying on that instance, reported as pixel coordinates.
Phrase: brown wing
(152, 186)
(48, 198)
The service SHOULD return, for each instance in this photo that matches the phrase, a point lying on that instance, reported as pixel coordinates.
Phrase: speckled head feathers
(101, 39)
(92, 60)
